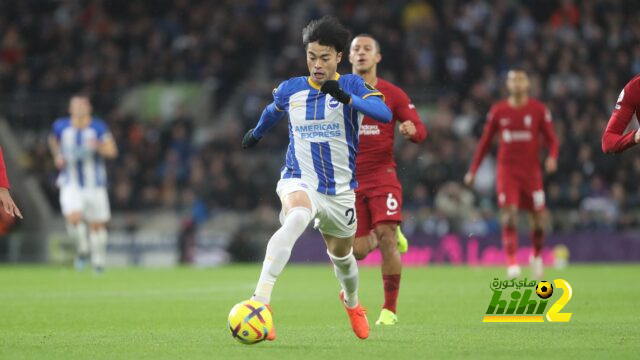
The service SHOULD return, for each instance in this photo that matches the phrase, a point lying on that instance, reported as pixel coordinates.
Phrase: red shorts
(524, 194)
(376, 205)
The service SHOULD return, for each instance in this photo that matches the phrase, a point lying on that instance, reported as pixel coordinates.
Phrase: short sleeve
(102, 131)
(58, 126)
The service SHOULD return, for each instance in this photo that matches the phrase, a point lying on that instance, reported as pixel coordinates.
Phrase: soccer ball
(544, 289)
(250, 321)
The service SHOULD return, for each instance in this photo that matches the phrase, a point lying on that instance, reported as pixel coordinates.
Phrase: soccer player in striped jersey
(6, 202)
(79, 145)
(318, 179)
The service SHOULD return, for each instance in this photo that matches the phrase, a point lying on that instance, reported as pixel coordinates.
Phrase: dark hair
(326, 31)
(375, 41)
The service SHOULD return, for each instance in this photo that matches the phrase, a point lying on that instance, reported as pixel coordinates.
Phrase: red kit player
(379, 193)
(6, 202)
(521, 122)
(614, 139)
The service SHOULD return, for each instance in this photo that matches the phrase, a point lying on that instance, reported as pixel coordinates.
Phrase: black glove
(249, 140)
(332, 88)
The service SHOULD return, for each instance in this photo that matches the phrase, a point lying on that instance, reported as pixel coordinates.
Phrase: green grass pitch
(56, 313)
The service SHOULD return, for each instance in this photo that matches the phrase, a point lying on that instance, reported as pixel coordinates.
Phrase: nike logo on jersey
(389, 213)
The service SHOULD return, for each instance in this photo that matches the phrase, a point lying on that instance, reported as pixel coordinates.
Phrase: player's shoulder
(633, 84)
(389, 89)
(500, 105)
(537, 104)
(61, 123)
(291, 85)
(98, 124)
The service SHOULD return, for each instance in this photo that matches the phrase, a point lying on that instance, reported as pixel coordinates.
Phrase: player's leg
(98, 240)
(508, 220)
(340, 252)
(509, 200)
(296, 215)
(391, 271)
(71, 203)
(338, 226)
(537, 218)
(365, 240)
(97, 213)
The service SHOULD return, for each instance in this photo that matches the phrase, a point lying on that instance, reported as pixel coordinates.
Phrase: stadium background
(180, 81)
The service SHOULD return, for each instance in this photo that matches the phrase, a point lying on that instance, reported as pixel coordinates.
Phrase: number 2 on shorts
(351, 214)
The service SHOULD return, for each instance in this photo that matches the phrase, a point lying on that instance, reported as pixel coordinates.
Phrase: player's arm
(614, 140)
(411, 127)
(365, 99)
(271, 114)
(549, 134)
(54, 146)
(6, 202)
(107, 147)
(490, 128)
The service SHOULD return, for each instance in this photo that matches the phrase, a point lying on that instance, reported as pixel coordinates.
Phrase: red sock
(391, 289)
(537, 239)
(510, 244)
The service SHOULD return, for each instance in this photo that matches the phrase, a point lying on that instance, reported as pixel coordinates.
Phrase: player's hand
(8, 205)
(469, 179)
(636, 137)
(58, 160)
(551, 165)
(332, 87)
(249, 140)
(407, 129)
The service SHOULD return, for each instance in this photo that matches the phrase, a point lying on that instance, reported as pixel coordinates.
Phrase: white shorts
(336, 214)
(92, 203)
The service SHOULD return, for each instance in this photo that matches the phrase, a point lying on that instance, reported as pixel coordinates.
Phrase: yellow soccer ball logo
(250, 322)
(544, 289)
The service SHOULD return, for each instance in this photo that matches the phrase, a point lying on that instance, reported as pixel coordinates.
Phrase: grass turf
(181, 313)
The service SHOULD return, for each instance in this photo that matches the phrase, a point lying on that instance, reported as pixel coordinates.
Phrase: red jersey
(4, 181)
(521, 130)
(375, 163)
(614, 138)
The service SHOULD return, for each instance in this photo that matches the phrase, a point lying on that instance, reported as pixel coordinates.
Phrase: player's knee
(74, 219)
(360, 248)
(386, 234)
(96, 226)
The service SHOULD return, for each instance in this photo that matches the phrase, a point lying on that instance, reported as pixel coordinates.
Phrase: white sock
(98, 240)
(78, 232)
(346, 269)
(279, 251)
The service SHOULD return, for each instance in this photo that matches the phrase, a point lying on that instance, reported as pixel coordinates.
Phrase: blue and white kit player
(80, 144)
(317, 181)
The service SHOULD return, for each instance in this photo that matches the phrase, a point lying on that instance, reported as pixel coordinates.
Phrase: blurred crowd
(449, 56)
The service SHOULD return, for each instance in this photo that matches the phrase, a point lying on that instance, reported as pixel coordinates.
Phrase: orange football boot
(271, 335)
(358, 318)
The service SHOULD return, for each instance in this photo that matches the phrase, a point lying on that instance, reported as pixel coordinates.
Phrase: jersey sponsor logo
(369, 130)
(516, 135)
(322, 130)
(527, 120)
(620, 97)
(333, 103)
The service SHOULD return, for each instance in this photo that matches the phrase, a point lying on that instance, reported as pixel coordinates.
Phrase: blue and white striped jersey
(323, 133)
(84, 166)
